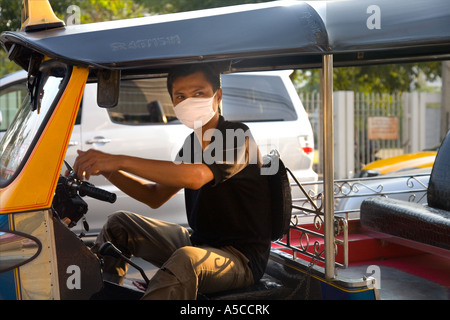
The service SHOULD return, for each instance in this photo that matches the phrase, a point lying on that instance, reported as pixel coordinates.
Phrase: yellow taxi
(397, 164)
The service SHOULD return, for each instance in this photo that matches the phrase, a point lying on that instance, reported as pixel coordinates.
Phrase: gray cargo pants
(184, 269)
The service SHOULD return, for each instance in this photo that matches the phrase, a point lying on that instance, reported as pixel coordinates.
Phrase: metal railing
(306, 237)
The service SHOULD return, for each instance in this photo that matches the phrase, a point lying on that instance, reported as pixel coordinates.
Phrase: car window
(11, 99)
(256, 98)
(245, 98)
(143, 101)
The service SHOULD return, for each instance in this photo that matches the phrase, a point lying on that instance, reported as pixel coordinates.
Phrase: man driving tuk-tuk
(227, 201)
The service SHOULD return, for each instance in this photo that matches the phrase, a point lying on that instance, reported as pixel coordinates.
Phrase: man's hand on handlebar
(74, 185)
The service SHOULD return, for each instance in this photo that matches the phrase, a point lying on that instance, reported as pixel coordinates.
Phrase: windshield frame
(32, 102)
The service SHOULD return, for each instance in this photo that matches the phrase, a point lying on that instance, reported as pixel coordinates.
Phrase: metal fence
(378, 126)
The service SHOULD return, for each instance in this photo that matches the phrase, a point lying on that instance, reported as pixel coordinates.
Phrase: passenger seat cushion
(439, 186)
(412, 221)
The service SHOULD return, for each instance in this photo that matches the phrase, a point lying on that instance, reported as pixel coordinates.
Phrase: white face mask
(195, 112)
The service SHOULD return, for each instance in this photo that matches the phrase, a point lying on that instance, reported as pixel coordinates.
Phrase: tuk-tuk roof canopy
(281, 34)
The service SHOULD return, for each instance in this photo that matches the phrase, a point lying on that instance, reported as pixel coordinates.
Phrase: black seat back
(281, 198)
(438, 193)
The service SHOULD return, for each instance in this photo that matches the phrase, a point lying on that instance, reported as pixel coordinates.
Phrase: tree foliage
(9, 14)
(99, 10)
(387, 78)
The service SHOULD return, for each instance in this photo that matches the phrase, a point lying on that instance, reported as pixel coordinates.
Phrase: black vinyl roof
(259, 36)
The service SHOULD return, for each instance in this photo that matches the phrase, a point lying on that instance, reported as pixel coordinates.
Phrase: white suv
(143, 124)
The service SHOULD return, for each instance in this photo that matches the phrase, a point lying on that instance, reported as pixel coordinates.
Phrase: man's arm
(168, 176)
(152, 194)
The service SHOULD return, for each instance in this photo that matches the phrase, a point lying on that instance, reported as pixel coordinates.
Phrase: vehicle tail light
(308, 150)
(306, 144)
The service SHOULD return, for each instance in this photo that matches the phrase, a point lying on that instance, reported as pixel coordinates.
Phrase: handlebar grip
(87, 190)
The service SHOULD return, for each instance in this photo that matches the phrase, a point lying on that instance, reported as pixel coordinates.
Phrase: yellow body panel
(34, 187)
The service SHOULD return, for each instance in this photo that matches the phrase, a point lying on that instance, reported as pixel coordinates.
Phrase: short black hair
(211, 72)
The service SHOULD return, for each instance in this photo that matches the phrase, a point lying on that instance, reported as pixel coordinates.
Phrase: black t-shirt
(234, 208)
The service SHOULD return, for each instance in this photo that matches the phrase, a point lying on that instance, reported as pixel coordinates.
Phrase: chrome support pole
(328, 163)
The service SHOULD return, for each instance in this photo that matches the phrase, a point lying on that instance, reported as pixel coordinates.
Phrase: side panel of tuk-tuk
(41, 259)
(33, 275)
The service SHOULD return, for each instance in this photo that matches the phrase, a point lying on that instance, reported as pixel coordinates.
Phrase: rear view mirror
(17, 249)
(108, 88)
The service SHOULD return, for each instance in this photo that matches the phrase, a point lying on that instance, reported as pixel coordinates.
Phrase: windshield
(31, 119)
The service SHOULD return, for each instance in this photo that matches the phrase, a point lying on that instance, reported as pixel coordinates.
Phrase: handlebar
(86, 189)
(67, 202)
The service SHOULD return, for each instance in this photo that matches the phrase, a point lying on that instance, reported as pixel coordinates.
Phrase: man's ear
(219, 99)
(219, 95)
